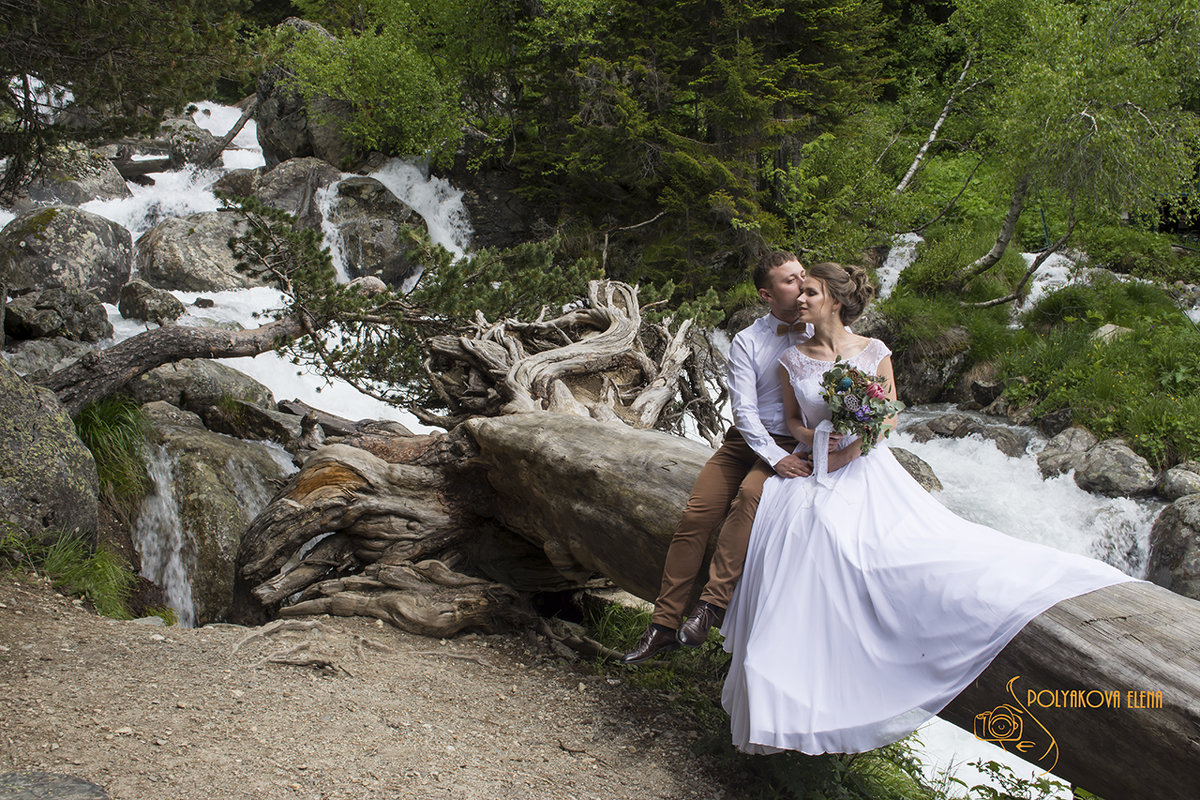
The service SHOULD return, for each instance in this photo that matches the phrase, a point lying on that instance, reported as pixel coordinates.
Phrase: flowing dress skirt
(866, 606)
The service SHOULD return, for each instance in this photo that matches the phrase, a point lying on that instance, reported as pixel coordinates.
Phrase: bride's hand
(840, 458)
(793, 466)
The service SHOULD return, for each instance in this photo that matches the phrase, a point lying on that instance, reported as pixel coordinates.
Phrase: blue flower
(844, 385)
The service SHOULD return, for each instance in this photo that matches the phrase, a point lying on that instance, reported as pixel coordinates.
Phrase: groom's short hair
(773, 259)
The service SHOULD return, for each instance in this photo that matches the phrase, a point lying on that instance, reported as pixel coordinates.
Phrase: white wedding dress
(866, 606)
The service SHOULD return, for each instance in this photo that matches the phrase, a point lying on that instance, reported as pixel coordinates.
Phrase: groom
(731, 482)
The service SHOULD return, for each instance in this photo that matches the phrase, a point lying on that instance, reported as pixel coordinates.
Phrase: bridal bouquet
(858, 402)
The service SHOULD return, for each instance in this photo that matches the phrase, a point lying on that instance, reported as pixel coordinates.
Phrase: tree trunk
(1121, 641)
(99, 373)
(937, 126)
(1007, 229)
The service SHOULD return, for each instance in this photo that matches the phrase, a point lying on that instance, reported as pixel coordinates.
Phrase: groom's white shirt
(755, 390)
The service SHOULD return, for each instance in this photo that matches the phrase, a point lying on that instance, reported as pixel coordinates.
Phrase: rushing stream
(980, 482)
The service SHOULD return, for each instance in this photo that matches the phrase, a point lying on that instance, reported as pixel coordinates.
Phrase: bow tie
(784, 327)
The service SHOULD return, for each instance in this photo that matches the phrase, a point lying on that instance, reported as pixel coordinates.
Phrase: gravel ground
(363, 711)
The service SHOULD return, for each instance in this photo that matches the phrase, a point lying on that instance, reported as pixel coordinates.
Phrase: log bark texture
(608, 499)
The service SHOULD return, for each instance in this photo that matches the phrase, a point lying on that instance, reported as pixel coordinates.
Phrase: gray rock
(56, 312)
(220, 485)
(955, 426)
(925, 369)
(72, 177)
(1065, 452)
(370, 221)
(192, 253)
(1055, 422)
(1112, 469)
(196, 383)
(47, 476)
(247, 420)
(38, 357)
(187, 142)
(1180, 480)
(1106, 333)
(292, 186)
(921, 472)
(288, 127)
(48, 786)
(141, 301)
(500, 216)
(67, 247)
(238, 183)
(1175, 547)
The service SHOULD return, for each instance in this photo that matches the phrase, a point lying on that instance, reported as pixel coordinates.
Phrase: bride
(865, 605)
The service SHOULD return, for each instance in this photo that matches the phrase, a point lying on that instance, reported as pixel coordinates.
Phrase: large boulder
(141, 301)
(47, 476)
(1180, 480)
(292, 187)
(38, 357)
(219, 485)
(74, 176)
(1112, 468)
(289, 127)
(370, 221)
(926, 369)
(187, 142)
(500, 216)
(67, 247)
(1066, 451)
(1175, 547)
(192, 254)
(196, 383)
(70, 313)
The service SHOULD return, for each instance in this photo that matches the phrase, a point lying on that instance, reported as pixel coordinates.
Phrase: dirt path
(154, 712)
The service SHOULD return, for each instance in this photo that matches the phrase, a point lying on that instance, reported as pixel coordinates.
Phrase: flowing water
(168, 553)
(980, 483)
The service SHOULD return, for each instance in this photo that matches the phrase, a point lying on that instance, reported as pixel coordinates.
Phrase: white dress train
(866, 606)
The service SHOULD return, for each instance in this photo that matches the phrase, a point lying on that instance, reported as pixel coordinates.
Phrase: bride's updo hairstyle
(849, 285)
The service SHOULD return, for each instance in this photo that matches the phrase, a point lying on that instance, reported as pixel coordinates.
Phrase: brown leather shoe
(655, 640)
(694, 630)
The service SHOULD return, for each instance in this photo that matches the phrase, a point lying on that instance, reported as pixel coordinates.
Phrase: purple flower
(863, 413)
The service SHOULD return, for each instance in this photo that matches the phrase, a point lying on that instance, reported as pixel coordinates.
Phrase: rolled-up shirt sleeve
(743, 392)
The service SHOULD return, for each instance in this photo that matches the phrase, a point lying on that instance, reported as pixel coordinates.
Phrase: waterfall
(168, 553)
(900, 256)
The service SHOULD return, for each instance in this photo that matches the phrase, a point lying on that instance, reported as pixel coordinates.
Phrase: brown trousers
(728, 489)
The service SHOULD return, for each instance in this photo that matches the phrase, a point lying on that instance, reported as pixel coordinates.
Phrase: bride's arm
(792, 416)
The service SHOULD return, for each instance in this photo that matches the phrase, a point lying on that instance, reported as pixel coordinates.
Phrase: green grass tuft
(99, 576)
(114, 430)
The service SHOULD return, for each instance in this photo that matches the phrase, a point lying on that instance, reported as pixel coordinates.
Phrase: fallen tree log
(604, 498)
(608, 500)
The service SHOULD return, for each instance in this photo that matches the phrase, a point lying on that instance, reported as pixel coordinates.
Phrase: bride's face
(815, 302)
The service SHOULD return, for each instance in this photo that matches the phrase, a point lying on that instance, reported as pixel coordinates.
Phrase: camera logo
(1001, 724)
(1013, 727)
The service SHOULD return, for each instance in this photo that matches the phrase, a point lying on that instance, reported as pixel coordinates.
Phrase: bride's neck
(829, 334)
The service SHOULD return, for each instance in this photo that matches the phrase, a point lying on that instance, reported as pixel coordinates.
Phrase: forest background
(670, 143)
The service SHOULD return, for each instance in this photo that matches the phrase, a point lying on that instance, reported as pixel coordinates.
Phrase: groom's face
(783, 290)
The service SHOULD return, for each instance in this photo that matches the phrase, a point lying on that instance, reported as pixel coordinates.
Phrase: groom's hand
(793, 466)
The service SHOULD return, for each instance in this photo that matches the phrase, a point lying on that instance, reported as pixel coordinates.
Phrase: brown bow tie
(783, 328)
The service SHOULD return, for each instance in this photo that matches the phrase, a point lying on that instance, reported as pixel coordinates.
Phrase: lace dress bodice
(806, 374)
